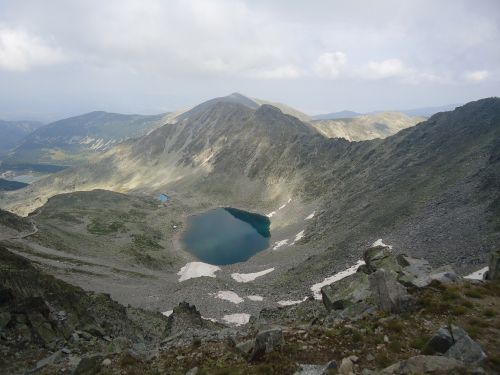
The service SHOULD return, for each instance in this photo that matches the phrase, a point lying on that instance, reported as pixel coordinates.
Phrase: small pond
(226, 235)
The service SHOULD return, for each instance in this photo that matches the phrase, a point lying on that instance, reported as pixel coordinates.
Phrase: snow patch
(228, 296)
(291, 302)
(197, 269)
(271, 214)
(255, 298)
(279, 244)
(237, 319)
(316, 288)
(477, 275)
(246, 277)
(310, 216)
(379, 242)
(298, 237)
(167, 313)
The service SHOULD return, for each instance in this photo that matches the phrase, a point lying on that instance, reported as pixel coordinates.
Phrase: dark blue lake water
(226, 235)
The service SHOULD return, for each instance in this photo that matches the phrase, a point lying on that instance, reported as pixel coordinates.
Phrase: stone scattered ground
(52, 327)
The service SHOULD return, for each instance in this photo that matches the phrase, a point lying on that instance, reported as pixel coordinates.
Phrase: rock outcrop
(494, 266)
(381, 284)
(454, 342)
(388, 294)
(39, 313)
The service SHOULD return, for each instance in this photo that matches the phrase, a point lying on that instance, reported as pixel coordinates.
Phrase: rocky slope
(402, 317)
(40, 314)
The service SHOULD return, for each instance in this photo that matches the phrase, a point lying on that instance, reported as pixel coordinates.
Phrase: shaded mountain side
(15, 222)
(361, 128)
(431, 190)
(73, 139)
(285, 109)
(41, 313)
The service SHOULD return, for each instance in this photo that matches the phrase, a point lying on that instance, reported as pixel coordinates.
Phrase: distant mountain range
(365, 127)
(12, 132)
(415, 112)
(74, 139)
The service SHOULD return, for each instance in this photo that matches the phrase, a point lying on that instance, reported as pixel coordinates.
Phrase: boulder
(266, 341)
(466, 350)
(94, 330)
(381, 256)
(427, 364)
(5, 317)
(494, 266)
(456, 344)
(317, 369)
(106, 362)
(346, 292)
(53, 358)
(42, 329)
(89, 365)
(246, 347)
(388, 294)
(347, 366)
(440, 342)
(184, 316)
(310, 370)
(415, 272)
(444, 275)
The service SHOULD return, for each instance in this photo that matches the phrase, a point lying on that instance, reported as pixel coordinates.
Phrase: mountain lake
(226, 235)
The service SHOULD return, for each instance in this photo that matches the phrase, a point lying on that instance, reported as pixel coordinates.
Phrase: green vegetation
(102, 226)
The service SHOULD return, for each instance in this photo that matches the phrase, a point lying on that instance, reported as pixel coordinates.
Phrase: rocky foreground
(396, 315)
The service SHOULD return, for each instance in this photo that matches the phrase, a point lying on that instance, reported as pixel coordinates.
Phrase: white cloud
(386, 69)
(477, 76)
(280, 72)
(330, 64)
(20, 51)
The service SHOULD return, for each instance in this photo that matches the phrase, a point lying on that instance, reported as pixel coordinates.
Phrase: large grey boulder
(317, 369)
(494, 266)
(415, 272)
(388, 294)
(427, 364)
(381, 257)
(456, 344)
(346, 292)
(419, 273)
(444, 275)
(440, 342)
(185, 318)
(266, 341)
(465, 349)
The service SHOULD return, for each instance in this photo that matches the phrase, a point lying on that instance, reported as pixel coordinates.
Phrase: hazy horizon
(65, 58)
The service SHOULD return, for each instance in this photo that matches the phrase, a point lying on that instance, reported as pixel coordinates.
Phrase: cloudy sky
(66, 57)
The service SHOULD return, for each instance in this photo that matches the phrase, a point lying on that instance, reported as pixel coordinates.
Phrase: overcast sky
(67, 57)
